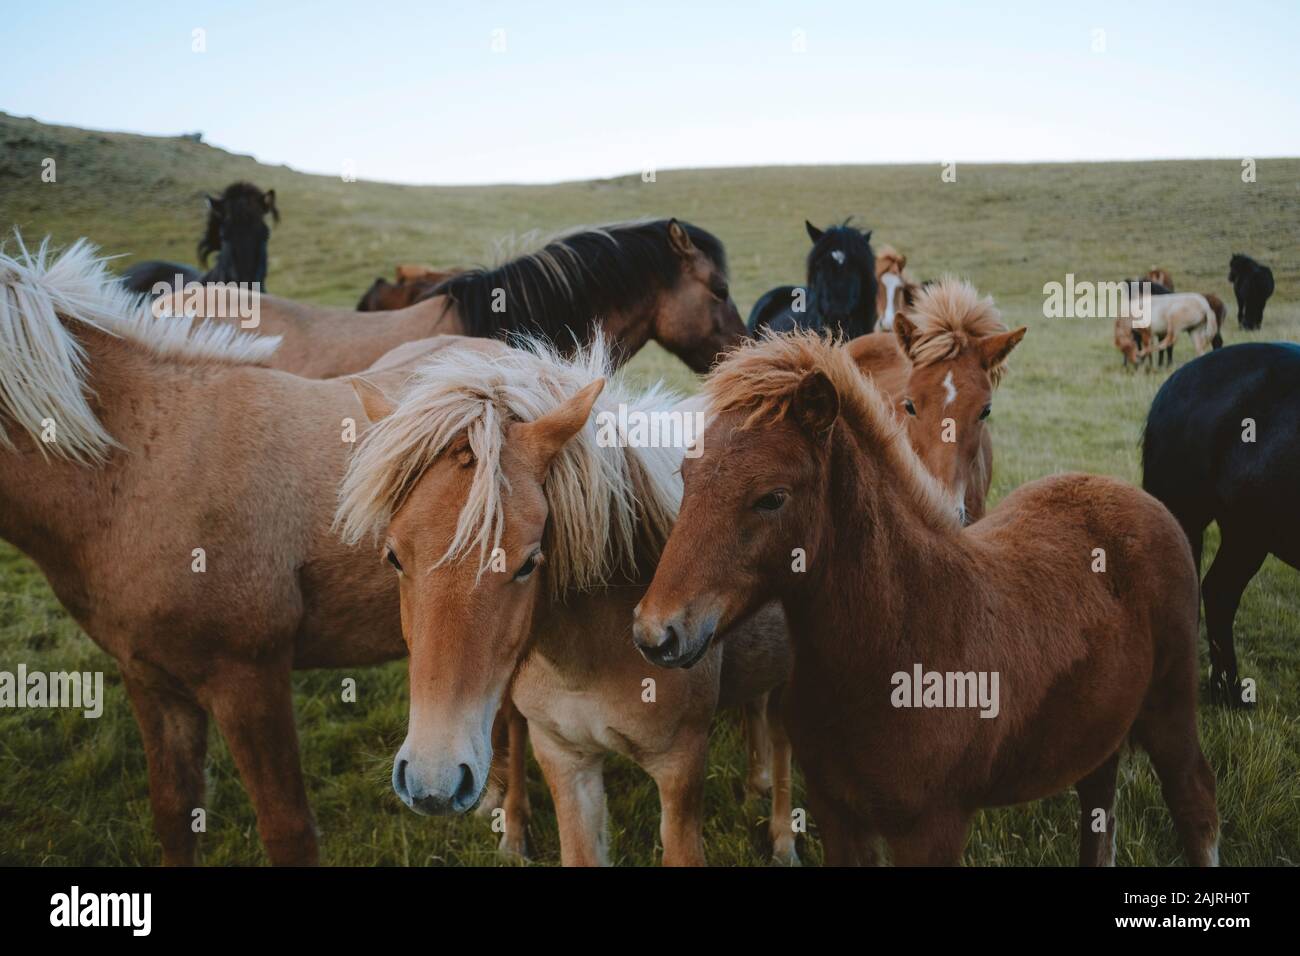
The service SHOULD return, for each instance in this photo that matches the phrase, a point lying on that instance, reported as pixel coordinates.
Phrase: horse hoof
(490, 803)
(513, 849)
(786, 856)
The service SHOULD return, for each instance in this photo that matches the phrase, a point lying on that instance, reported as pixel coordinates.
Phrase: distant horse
(236, 232)
(1253, 284)
(1165, 316)
(1161, 277)
(840, 295)
(1196, 460)
(1134, 342)
(661, 280)
(413, 284)
(521, 534)
(905, 625)
(939, 369)
(181, 514)
(895, 289)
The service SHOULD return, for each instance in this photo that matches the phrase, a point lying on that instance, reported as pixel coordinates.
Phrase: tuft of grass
(74, 791)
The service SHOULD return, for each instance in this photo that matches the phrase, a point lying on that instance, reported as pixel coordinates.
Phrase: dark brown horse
(1067, 617)
(236, 232)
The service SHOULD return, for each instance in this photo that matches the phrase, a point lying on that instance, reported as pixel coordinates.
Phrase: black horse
(1222, 443)
(236, 232)
(1253, 284)
(840, 297)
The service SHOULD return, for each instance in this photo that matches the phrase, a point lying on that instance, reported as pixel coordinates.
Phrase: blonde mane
(43, 365)
(948, 314)
(762, 376)
(608, 505)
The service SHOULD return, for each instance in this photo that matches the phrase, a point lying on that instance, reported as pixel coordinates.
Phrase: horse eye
(985, 414)
(722, 292)
(392, 559)
(910, 408)
(772, 501)
(529, 566)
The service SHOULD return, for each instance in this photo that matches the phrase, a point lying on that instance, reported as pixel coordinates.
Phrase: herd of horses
(217, 507)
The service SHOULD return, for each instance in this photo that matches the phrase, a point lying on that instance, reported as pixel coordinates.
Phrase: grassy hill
(74, 791)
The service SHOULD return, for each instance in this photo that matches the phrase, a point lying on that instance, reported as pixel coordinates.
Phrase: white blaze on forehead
(949, 389)
(838, 256)
(892, 282)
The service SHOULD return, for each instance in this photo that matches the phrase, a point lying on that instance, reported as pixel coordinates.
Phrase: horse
(521, 532)
(236, 232)
(895, 290)
(1164, 316)
(413, 283)
(940, 368)
(1134, 342)
(661, 279)
(178, 495)
(1161, 277)
(1252, 283)
(1197, 460)
(840, 296)
(1077, 594)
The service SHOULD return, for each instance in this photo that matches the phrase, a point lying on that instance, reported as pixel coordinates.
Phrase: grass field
(74, 790)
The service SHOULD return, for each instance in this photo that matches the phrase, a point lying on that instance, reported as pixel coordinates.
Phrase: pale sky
(538, 92)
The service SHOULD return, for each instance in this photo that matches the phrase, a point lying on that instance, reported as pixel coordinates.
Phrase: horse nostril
(671, 644)
(399, 778)
(466, 790)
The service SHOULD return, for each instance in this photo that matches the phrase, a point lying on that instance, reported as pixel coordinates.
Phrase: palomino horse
(840, 295)
(1165, 316)
(178, 499)
(413, 283)
(895, 289)
(236, 232)
(1077, 596)
(1195, 461)
(660, 280)
(522, 533)
(940, 369)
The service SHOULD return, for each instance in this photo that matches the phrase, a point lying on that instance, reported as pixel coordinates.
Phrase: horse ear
(541, 440)
(814, 233)
(268, 204)
(680, 240)
(994, 349)
(376, 403)
(816, 403)
(905, 330)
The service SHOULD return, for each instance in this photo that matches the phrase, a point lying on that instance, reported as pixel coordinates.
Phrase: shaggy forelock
(948, 315)
(607, 504)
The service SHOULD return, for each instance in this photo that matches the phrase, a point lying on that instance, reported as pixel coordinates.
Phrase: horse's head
(467, 613)
(238, 233)
(842, 278)
(695, 318)
(948, 398)
(377, 296)
(892, 286)
(1238, 265)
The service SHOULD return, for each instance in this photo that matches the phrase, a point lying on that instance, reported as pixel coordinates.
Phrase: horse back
(143, 276)
(776, 310)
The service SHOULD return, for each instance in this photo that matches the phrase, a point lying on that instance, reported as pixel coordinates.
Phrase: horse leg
(577, 783)
(175, 732)
(781, 825)
(499, 771)
(844, 841)
(1166, 730)
(253, 707)
(1097, 793)
(1235, 564)
(514, 841)
(934, 839)
(758, 745)
(679, 774)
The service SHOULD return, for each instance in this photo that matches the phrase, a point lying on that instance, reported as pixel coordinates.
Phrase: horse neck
(627, 330)
(889, 578)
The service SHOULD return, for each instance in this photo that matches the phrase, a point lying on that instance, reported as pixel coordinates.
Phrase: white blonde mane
(607, 504)
(43, 365)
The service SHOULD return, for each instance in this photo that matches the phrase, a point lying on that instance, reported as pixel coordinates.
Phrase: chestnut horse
(1077, 595)
(178, 499)
(413, 283)
(895, 289)
(940, 368)
(660, 280)
(522, 533)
